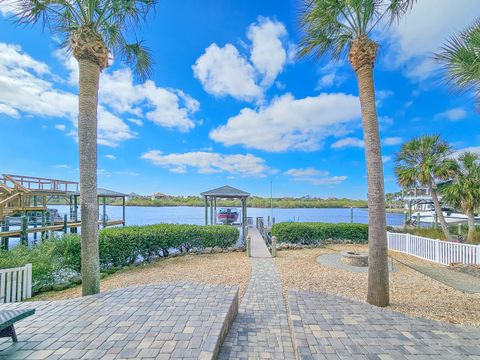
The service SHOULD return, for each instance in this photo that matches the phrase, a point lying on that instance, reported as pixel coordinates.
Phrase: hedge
(315, 232)
(58, 260)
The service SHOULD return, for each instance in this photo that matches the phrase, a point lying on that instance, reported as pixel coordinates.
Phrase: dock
(24, 208)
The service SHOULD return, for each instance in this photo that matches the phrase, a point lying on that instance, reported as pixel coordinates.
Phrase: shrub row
(58, 260)
(315, 232)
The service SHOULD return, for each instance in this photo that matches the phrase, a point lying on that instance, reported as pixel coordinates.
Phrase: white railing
(16, 284)
(443, 252)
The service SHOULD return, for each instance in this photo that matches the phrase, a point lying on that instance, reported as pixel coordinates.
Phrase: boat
(227, 215)
(451, 216)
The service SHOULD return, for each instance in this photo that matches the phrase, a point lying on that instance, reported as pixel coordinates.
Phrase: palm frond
(460, 59)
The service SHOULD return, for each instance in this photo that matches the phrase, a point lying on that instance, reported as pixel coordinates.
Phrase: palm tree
(464, 191)
(92, 30)
(460, 57)
(422, 162)
(344, 27)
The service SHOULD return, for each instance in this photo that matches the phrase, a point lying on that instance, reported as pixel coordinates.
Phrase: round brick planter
(354, 259)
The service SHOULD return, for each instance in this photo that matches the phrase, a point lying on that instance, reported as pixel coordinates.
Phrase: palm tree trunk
(438, 211)
(378, 287)
(471, 227)
(87, 146)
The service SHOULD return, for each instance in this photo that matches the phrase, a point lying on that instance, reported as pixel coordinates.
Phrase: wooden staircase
(22, 194)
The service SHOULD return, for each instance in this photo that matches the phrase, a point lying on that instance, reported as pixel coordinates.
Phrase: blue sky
(229, 103)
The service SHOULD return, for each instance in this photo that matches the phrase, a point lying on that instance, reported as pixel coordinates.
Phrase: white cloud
(209, 162)
(454, 114)
(169, 108)
(386, 158)
(7, 7)
(224, 71)
(314, 176)
(394, 140)
(111, 157)
(136, 121)
(348, 142)
(306, 172)
(8, 110)
(385, 121)
(290, 124)
(60, 127)
(422, 32)
(268, 53)
(27, 86)
(472, 149)
(331, 75)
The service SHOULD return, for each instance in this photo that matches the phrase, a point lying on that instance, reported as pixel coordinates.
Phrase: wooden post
(215, 210)
(405, 218)
(48, 223)
(35, 219)
(23, 229)
(211, 210)
(274, 246)
(418, 219)
(104, 210)
(65, 222)
(123, 210)
(5, 227)
(351, 215)
(249, 246)
(459, 229)
(206, 210)
(42, 235)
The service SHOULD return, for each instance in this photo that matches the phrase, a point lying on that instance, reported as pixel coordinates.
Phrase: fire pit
(354, 258)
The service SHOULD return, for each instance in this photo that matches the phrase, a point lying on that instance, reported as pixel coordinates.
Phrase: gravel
(410, 291)
(220, 269)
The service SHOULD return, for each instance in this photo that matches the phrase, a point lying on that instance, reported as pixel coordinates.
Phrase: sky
(229, 102)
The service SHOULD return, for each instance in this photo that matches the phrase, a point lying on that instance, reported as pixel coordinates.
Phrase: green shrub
(122, 246)
(308, 233)
(59, 259)
(43, 258)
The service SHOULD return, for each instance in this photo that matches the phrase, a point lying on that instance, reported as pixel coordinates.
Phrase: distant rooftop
(226, 192)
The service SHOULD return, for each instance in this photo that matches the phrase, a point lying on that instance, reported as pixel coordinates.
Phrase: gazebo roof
(226, 192)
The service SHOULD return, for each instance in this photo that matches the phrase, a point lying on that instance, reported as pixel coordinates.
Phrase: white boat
(451, 216)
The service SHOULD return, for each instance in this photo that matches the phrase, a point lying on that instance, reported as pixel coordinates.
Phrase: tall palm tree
(92, 30)
(344, 27)
(460, 57)
(423, 161)
(464, 191)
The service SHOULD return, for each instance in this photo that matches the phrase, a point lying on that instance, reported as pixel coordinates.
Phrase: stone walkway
(165, 321)
(463, 282)
(330, 327)
(261, 329)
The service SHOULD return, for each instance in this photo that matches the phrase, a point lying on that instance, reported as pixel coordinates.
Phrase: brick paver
(329, 327)
(171, 320)
(261, 329)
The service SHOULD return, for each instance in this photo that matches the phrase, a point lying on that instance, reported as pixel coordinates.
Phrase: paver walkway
(455, 279)
(166, 321)
(331, 327)
(261, 329)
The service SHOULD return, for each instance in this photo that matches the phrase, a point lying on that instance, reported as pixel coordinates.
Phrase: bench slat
(9, 317)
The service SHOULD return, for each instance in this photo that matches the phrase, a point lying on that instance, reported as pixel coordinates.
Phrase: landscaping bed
(221, 269)
(410, 291)
(56, 262)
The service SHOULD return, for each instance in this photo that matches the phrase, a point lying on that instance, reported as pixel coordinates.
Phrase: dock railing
(442, 252)
(16, 284)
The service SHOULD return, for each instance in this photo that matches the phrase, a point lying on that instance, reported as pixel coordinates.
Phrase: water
(140, 215)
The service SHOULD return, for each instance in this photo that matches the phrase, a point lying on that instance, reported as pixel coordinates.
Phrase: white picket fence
(443, 252)
(16, 284)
